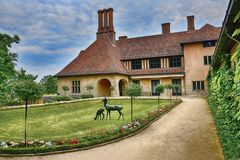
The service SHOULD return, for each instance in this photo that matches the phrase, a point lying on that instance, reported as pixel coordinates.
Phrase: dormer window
(175, 62)
(211, 43)
(136, 64)
(154, 63)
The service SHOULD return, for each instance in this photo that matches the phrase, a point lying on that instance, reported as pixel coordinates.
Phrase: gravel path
(187, 132)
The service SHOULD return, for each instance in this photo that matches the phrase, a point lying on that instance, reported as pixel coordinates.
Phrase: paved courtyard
(187, 132)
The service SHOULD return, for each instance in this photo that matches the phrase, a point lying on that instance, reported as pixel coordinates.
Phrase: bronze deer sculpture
(110, 108)
(99, 114)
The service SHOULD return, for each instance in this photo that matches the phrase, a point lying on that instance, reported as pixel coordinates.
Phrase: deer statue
(110, 108)
(99, 114)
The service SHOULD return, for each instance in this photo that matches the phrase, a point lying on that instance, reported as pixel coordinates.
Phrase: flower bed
(93, 139)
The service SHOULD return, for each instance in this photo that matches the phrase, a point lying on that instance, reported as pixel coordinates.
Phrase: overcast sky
(53, 32)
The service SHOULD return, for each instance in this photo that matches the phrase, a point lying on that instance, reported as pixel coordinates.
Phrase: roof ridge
(68, 64)
(207, 25)
(111, 56)
(109, 40)
(170, 34)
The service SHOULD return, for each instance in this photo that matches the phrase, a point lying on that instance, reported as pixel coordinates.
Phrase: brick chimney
(165, 28)
(100, 21)
(105, 24)
(190, 21)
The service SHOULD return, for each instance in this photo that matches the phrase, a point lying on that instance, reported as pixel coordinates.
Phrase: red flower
(74, 141)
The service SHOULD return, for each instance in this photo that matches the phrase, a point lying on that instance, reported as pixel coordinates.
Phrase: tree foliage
(169, 88)
(7, 58)
(26, 88)
(89, 88)
(49, 83)
(65, 89)
(159, 89)
(7, 67)
(133, 89)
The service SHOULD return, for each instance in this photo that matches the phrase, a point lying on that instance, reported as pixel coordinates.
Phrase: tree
(159, 89)
(169, 88)
(7, 65)
(176, 87)
(133, 90)
(27, 89)
(50, 84)
(89, 88)
(65, 89)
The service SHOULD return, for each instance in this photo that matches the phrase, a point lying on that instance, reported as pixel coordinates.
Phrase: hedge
(224, 100)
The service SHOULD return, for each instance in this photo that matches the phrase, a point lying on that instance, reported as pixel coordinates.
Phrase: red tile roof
(164, 45)
(102, 57)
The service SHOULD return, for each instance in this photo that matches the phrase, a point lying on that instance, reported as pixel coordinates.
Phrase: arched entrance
(122, 87)
(103, 88)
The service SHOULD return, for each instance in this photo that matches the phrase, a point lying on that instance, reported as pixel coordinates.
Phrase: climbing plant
(224, 100)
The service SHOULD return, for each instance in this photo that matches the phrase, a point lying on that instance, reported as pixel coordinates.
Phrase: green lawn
(66, 120)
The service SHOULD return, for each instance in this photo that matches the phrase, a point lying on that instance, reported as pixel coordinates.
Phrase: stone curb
(97, 145)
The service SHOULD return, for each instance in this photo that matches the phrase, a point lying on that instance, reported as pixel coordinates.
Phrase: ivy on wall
(224, 100)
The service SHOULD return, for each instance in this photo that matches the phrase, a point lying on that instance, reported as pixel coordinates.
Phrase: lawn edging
(37, 151)
(4, 108)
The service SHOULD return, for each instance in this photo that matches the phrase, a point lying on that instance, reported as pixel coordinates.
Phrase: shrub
(14, 102)
(76, 96)
(86, 95)
(62, 98)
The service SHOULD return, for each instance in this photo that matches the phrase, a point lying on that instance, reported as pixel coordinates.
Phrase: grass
(67, 120)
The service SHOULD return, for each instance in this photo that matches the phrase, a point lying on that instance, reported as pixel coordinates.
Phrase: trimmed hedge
(62, 98)
(86, 95)
(224, 100)
(94, 138)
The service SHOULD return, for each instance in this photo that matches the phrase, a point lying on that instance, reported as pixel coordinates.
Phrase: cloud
(33, 49)
(59, 30)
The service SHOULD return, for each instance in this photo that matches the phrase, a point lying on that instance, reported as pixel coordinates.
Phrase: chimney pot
(110, 19)
(100, 21)
(105, 25)
(165, 28)
(190, 21)
(122, 37)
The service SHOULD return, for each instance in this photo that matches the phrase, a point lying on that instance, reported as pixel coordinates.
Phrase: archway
(103, 88)
(122, 87)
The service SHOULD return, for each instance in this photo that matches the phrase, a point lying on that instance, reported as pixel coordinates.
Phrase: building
(180, 58)
(227, 44)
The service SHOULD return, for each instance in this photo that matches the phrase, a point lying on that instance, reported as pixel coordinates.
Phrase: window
(175, 62)
(154, 63)
(137, 64)
(207, 60)
(198, 85)
(209, 43)
(75, 86)
(136, 82)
